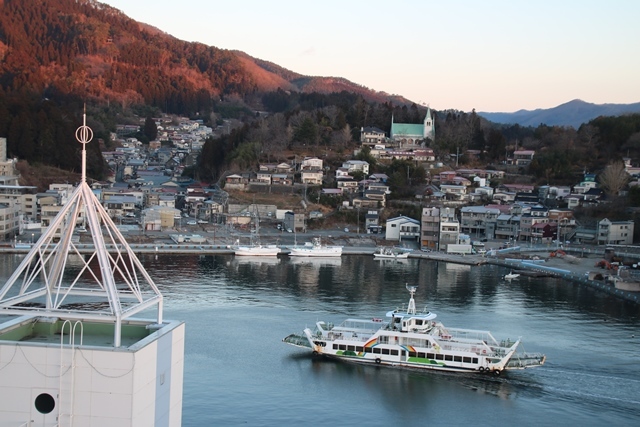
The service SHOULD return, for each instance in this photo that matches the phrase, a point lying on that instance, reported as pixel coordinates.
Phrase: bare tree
(613, 178)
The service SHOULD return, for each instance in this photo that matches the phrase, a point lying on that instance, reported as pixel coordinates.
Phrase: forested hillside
(58, 55)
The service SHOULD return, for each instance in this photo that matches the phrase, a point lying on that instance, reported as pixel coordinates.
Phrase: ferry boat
(415, 341)
(390, 253)
(315, 248)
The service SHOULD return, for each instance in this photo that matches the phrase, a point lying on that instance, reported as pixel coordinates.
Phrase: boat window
(383, 339)
(351, 348)
(439, 357)
(335, 346)
(475, 360)
(431, 356)
(343, 347)
(368, 350)
(413, 354)
(421, 355)
(466, 359)
(404, 353)
(418, 321)
(457, 358)
(394, 352)
(359, 349)
(448, 357)
(376, 350)
(385, 351)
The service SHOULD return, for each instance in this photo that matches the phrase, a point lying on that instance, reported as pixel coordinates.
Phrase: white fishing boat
(415, 341)
(384, 252)
(256, 250)
(511, 276)
(315, 248)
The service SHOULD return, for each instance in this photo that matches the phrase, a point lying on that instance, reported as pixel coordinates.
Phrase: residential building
(523, 157)
(507, 227)
(356, 166)
(372, 221)
(294, 221)
(402, 228)
(9, 220)
(311, 163)
(615, 232)
(311, 176)
(430, 228)
(371, 136)
(478, 221)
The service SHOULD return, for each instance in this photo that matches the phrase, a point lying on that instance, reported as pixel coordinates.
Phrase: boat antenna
(411, 309)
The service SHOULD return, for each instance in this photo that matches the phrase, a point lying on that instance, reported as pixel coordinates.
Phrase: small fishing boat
(511, 276)
(416, 341)
(316, 248)
(384, 252)
(256, 250)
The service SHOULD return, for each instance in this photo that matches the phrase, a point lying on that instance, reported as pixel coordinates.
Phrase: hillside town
(459, 206)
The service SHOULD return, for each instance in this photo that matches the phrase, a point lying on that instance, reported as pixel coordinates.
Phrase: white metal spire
(62, 278)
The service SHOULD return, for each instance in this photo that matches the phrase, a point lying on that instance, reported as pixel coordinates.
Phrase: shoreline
(576, 273)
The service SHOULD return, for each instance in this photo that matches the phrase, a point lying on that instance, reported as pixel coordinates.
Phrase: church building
(407, 134)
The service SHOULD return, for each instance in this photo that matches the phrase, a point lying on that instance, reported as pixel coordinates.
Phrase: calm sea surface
(238, 372)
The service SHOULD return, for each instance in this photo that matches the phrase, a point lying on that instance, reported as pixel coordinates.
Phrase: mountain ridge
(573, 113)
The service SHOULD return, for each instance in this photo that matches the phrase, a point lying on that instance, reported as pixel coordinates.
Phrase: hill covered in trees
(57, 55)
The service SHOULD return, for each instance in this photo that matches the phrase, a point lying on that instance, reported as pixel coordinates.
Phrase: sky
(491, 55)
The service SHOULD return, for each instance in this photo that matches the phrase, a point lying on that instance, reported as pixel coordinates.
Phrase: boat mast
(411, 309)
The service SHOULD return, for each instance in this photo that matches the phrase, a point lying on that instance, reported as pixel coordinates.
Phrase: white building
(402, 228)
(615, 232)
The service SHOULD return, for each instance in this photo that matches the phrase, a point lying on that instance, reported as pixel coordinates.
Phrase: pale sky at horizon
(494, 56)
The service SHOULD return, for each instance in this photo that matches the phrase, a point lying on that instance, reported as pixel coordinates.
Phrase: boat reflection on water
(256, 260)
(405, 389)
(316, 261)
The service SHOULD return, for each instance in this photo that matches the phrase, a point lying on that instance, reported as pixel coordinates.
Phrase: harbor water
(238, 371)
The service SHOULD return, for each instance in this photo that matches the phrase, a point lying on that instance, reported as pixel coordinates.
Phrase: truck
(460, 249)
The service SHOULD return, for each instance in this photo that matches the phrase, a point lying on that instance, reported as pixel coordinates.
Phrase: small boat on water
(511, 276)
(256, 250)
(415, 341)
(315, 248)
(384, 252)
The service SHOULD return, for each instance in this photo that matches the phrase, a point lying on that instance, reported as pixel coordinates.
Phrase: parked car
(191, 222)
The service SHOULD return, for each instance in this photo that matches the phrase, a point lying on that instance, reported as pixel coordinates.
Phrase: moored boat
(256, 250)
(511, 276)
(415, 341)
(390, 253)
(316, 248)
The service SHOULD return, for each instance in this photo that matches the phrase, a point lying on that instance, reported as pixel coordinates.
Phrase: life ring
(378, 360)
(496, 373)
(481, 369)
(484, 351)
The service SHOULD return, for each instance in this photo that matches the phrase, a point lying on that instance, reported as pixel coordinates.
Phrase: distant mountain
(573, 113)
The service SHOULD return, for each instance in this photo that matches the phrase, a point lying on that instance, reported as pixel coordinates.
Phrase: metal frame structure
(110, 284)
